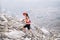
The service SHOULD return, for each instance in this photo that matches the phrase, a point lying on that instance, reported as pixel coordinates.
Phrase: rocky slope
(10, 29)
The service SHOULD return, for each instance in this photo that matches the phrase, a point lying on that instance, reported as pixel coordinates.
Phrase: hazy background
(45, 13)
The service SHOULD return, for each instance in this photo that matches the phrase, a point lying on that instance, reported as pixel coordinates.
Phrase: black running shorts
(28, 26)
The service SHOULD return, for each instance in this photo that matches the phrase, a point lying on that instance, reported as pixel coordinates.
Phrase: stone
(57, 39)
(11, 26)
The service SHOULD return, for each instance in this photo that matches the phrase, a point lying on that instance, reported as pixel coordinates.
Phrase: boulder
(10, 30)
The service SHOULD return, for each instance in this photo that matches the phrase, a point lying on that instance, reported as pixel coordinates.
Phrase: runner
(27, 22)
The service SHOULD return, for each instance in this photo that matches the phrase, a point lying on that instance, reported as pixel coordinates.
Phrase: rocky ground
(10, 29)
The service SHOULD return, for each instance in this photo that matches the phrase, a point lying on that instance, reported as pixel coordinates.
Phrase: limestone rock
(10, 30)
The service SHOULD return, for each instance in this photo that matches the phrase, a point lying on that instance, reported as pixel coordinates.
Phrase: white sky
(34, 6)
(30, 3)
